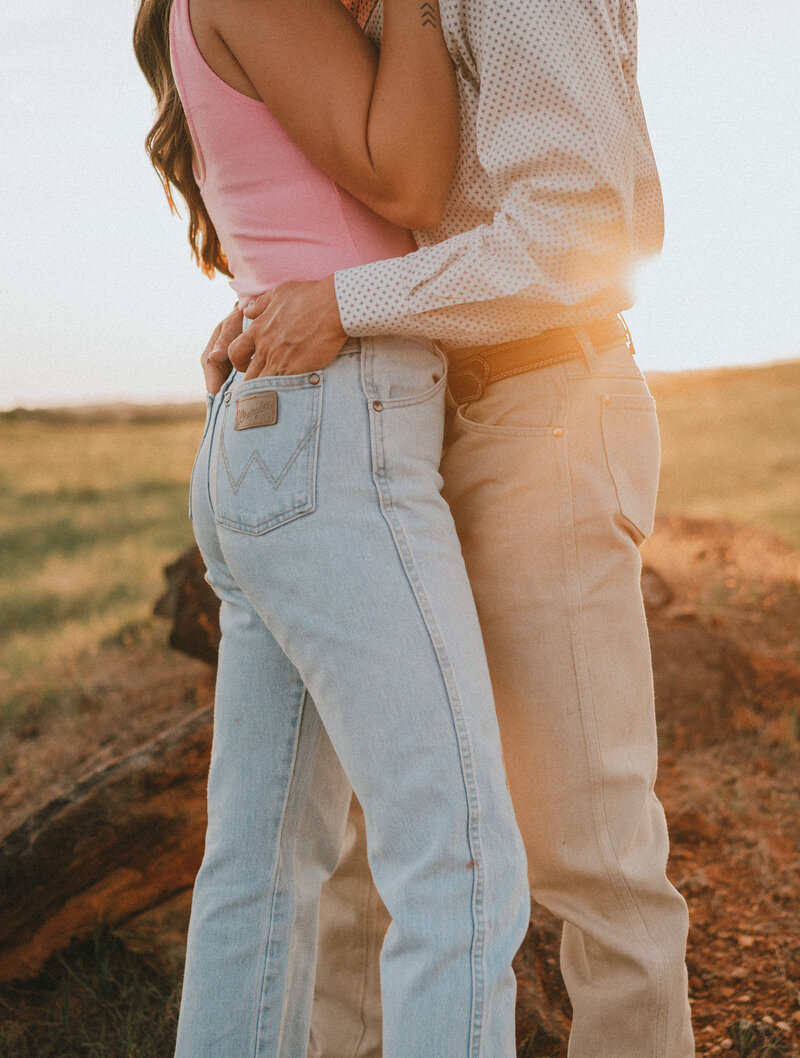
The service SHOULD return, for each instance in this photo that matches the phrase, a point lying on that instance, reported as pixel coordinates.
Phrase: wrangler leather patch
(259, 410)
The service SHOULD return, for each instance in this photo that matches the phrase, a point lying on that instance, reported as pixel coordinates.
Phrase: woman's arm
(385, 128)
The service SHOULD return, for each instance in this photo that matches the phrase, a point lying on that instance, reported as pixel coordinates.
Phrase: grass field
(91, 511)
(94, 505)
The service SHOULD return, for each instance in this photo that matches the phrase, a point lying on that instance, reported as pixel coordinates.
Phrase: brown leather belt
(468, 378)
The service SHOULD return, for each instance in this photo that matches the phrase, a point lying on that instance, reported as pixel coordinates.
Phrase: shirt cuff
(373, 299)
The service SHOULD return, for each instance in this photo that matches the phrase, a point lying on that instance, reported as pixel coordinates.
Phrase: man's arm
(562, 140)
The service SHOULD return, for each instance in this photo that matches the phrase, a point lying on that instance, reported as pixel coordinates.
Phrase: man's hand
(296, 328)
(214, 359)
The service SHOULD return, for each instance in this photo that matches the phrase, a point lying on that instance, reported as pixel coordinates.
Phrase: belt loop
(585, 342)
(628, 339)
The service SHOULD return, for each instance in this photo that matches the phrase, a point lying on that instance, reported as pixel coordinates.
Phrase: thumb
(257, 305)
(228, 330)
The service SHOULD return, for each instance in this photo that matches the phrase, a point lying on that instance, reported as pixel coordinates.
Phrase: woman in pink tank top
(351, 657)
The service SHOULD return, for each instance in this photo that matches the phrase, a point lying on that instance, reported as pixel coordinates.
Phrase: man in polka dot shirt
(550, 467)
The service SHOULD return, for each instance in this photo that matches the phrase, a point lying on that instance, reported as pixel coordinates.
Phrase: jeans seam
(462, 738)
(263, 1006)
(213, 426)
(206, 424)
(590, 739)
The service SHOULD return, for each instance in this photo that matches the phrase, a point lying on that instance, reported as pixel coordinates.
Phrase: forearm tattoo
(428, 12)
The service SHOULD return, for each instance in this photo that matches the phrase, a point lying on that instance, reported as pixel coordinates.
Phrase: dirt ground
(726, 644)
(727, 661)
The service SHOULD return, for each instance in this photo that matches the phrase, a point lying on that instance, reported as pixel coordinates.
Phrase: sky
(99, 298)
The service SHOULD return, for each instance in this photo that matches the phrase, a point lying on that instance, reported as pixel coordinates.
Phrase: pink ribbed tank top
(278, 216)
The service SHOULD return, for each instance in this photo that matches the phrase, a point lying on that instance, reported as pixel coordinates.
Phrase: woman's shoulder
(208, 20)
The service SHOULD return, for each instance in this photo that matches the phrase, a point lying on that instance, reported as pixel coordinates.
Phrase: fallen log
(192, 606)
(124, 840)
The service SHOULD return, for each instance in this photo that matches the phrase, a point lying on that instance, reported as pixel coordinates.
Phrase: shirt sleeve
(562, 145)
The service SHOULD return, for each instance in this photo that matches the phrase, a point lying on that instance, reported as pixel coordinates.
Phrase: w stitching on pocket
(236, 483)
(291, 494)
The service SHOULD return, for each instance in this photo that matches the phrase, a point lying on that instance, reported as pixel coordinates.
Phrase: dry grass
(98, 1000)
(91, 511)
(731, 445)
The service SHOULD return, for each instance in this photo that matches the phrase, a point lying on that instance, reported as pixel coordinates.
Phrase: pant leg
(347, 998)
(258, 886)
(351, 560)
(552, 478)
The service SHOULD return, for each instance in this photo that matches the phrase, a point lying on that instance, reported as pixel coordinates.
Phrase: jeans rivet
(314, 379)
(558, 432)
(376, 404)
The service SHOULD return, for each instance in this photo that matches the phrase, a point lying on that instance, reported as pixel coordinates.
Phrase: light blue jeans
(351, 659)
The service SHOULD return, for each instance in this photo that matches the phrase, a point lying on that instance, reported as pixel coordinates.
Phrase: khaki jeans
(551, 477)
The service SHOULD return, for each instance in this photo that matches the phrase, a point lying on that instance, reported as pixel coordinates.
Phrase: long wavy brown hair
(168, 142)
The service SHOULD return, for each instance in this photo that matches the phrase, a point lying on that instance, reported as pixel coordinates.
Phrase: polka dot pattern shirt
(555, 193)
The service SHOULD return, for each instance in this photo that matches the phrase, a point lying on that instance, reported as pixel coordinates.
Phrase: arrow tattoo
(428, 15)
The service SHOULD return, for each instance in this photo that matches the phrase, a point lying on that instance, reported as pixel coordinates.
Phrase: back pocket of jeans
(267, 453)
(633, 452)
